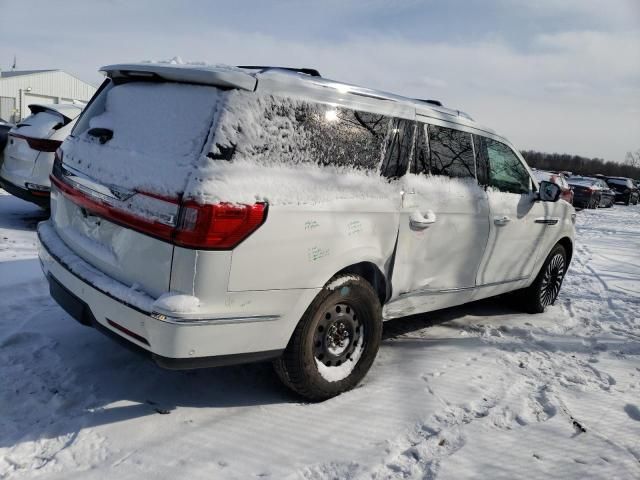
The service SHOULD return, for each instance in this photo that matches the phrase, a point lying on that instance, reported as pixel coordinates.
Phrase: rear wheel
(335, 342)
(545, 288)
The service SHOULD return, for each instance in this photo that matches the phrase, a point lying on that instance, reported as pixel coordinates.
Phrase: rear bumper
(170, 343)
(81, 312)
(20, 191)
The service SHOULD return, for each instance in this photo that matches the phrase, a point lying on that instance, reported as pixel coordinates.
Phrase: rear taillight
(40, 144)
(219, 226)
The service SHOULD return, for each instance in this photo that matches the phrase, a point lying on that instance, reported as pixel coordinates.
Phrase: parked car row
(593, 192)
(30, 149)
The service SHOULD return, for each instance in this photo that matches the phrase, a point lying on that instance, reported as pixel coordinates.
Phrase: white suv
(29, 153)
(219, 215)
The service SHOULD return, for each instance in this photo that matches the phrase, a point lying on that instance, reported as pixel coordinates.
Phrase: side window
(506, 172)
(271, 129)
(398, 148)
(451, 152)
(345, 137)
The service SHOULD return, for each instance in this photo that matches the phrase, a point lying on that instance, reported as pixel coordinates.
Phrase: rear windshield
(40, 125)
(157, 131)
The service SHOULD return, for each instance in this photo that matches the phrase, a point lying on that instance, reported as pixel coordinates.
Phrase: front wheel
(545, 288)
(335, 342)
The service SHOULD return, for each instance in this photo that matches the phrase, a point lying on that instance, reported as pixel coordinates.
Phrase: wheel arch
(568, 246)
(372, 274)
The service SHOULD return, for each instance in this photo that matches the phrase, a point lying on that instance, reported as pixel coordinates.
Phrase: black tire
(592, 203)
(342, 323)
(545, 288)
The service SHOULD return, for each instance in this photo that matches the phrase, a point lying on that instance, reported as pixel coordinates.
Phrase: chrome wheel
(552, 280)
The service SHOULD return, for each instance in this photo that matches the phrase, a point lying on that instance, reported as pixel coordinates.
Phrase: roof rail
(308, 71)
(437, 103)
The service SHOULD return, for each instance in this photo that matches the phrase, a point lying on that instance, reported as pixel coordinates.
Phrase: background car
(590, 192)
(625, 190)
(560, 180)
(30, 149)
(4, 135)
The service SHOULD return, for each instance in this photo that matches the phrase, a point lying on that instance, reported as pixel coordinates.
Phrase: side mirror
(549, 192)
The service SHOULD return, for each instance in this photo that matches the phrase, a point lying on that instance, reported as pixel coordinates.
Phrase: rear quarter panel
(304, 246)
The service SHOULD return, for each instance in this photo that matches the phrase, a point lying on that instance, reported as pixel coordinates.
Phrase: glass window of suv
(506, 171)
(398, 148)
(285, 130)
(451, 152)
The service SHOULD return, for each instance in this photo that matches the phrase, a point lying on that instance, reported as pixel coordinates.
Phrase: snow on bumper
(172, 340)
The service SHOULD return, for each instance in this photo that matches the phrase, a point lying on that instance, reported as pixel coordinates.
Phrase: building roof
(17, 73)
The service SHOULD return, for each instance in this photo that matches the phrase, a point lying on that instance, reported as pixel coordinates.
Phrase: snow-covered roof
(278, 80)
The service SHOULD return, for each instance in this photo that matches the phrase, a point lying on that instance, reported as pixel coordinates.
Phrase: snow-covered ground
(477, 391)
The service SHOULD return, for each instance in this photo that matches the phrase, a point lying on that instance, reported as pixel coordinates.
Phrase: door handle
(501, 220)
(417, 221)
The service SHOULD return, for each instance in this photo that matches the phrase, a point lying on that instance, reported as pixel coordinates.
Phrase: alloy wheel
(552, 280)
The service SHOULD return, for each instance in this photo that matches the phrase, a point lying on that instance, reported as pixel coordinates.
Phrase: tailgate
(128, 256)
(125, 165)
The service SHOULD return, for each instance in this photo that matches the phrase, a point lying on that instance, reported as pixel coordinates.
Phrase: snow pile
(340, 281)
(440, 190)
(247, 181)
(159, 131)
(173, 302)
(40, 125)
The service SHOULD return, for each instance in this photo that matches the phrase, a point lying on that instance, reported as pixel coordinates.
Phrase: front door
(517, 220)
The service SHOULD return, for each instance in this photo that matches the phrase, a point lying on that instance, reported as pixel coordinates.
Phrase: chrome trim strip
(547, 220)
(426, 291)
(212, 321)
(85, 182)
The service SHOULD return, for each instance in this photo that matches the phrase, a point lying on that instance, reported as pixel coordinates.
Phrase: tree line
(583, 165)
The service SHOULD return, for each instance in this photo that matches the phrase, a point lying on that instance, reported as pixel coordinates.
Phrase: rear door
(518, 223)
(443, 226)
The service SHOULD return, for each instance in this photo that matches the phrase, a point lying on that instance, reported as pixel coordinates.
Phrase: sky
(550, 75)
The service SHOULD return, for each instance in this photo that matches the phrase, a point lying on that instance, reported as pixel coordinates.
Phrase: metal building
(20, 88)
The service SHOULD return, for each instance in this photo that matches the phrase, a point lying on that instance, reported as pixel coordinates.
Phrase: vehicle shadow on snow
(17, 214)
(489, 307)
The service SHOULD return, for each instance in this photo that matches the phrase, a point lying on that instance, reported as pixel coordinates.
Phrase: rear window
(158, 130)
(40, 125)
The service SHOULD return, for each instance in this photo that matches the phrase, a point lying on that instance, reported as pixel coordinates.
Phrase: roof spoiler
(308, 71)
(37, 108)
(224, 77)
